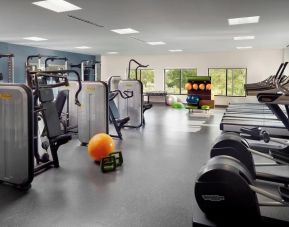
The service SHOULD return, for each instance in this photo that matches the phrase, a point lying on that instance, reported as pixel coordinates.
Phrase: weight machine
(10, 62)
(86, 66)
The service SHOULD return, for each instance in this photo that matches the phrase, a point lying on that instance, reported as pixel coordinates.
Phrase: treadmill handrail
(267, 84)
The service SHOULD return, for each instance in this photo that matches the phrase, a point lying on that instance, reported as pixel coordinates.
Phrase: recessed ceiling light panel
(83, 47)
(112, 52)
(125, 31)
(244, 48)
(34, 38)
(156, 43)
(58, 6)
(244, 20)
(244, 38)
(176, 50)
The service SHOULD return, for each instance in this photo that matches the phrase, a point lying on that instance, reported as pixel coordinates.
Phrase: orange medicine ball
(100, 146)
(188, 86)
(208, 87)
(202, 86)
(195, 86)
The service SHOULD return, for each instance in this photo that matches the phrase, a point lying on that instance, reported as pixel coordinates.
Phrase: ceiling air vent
(86, 21)
(137, 39)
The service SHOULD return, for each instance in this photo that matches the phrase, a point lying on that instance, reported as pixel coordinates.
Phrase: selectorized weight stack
(132, 107)
(93, 114)
(16, 135)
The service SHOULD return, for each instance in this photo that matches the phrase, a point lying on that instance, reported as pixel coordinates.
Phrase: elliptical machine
(226, 188)
(226, 192)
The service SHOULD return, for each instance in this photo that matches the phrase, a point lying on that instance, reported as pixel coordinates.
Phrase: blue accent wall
(22, 52)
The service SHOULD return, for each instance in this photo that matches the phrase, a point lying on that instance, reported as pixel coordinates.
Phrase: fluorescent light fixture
(244, 48)
(156, 43)
(125, 31)
(83, 47)
(58, 6)
(244, 37)
(112, 52)
(244, 20)
(34, 38)
(176, 50)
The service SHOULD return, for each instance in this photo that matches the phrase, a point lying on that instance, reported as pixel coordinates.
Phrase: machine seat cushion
(147, 106)
(61, 100)
(123, 121)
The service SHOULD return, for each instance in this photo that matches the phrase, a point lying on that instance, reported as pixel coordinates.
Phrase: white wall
(259, 63)
(286, 58)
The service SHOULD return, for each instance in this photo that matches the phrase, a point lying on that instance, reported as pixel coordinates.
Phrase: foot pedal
(108, 164)
(118, 157)
(284, 193)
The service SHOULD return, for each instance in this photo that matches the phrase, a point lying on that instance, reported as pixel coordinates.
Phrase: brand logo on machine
(90, 88)
(213, 198)
(4, 96)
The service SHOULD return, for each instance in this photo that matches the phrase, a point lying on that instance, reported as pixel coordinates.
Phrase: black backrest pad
(60, 101)
(50, 114)
(46, 95)
(52, 122)
(114, 109)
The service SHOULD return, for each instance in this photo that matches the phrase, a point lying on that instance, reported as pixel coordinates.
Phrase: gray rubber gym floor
(153, 188)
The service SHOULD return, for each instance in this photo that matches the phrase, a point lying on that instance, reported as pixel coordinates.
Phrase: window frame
(227, 81)
(180, 79)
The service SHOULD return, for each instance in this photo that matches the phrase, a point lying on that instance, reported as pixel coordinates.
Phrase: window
(218, 80)
(132, 74)
(147, 77)
(228, 82)
(235, 82)
(175, 80)
(172, 81)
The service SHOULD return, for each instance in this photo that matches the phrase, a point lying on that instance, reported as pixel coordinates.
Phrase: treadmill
(257, 110)
(277, 125)
(266, 86)
(274, 128)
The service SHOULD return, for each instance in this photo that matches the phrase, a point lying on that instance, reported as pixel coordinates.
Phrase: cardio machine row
(228, 187)
(271, 113)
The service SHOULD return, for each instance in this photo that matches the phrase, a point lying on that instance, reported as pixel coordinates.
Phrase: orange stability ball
(208, 87)
(202, 86)
(100, 146)
(195, 86)
(188, 86)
